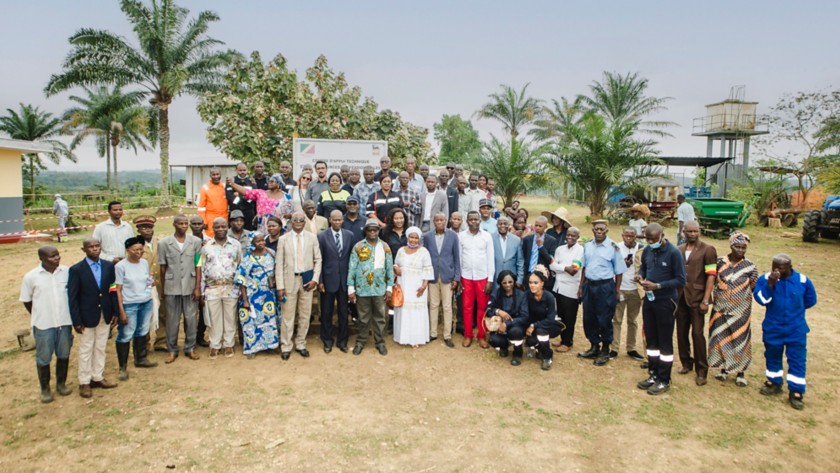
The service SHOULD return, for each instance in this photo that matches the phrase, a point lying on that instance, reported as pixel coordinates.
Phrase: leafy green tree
(514, 110)
(597, 155)
(827, 165)
(173, 56)
(622, 100)
(32, 124)
(263, 106)
(516, 166)
(458, 139)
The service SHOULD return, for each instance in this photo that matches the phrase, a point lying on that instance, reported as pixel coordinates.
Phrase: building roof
(691, 160)
(201, 161)
(25, 146)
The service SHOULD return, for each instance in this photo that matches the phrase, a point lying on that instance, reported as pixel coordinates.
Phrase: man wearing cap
(559, 220)
(433, 201)
(145, 225)
(113, 233)
(601, 270)
(451, 193)
(62, 211)
(212, 201)
(488, 223)
(638, 214)
(237, 230)
(370, 278)
(354, 221)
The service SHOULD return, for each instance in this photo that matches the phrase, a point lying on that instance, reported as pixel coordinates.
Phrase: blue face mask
(656, 245)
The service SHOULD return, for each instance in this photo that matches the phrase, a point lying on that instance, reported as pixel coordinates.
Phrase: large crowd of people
(416, 255)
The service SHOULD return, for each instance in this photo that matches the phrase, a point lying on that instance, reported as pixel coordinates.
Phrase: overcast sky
(429, 58)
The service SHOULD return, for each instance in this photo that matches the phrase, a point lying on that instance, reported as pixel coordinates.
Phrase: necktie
(338, 242)
(299, 253)
(534, 254)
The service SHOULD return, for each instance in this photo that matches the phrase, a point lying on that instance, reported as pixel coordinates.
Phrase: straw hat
(643, 208)
(560, 213)
(492, 324)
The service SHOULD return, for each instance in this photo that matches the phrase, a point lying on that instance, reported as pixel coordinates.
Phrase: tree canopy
(458, 139)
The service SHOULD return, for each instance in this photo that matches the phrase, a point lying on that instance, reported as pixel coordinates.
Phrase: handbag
(397, 297)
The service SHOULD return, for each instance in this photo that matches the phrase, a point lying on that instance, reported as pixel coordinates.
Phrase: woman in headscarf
(258, 308)
(730, 347)
(413, 266)
(271, 203)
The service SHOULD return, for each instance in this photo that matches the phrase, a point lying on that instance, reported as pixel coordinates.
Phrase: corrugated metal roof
(25, 146)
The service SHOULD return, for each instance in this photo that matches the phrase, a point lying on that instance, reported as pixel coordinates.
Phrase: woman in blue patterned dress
(258, 309)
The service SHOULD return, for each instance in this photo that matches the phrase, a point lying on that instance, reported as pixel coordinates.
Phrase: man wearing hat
(237, 230)
(601, 270)
(62, 211)
(488, 223)
(353, 221)
(145, 225)
(559, 220)
(638, 214)
(370, 279)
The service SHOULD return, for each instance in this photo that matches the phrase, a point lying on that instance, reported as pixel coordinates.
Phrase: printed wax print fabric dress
(259, 324)
(411, 321)
(268, 207)
(730, 340)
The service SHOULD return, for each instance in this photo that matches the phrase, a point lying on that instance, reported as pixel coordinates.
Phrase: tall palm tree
(32, 124)
(516, 166)
(129, 129)
(552, 121)
(94, 117)
(621, 99)
(515, 110)
(174, 56)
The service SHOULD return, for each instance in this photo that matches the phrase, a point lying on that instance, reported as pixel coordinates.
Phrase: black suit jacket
(89, 303)
(335, 266)
(546, 254)
(452, 199)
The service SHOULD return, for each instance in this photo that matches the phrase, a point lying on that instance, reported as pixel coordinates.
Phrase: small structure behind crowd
(198, 172)
(11, 185)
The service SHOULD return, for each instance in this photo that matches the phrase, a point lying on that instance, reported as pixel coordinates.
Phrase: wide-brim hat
(642, 208)
(560, 213)
(492, 324)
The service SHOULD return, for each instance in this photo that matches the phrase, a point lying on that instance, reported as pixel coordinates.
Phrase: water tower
(732, 123)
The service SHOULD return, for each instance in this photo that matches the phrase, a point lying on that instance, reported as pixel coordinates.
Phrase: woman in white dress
(413, 266)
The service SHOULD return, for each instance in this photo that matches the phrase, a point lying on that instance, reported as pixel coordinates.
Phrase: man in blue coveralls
(786, 294)
(600, 280)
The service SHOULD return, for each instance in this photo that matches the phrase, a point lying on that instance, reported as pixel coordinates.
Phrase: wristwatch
(658, 286)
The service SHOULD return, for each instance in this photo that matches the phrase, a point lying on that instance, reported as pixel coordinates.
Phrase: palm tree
(516, 166)
(515, 110)
(173, 56)
(621, 99)
(552, 122)
(94, 117)
(129, 129)
(32, 124)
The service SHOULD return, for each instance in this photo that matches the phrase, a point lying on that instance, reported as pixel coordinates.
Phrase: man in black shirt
(239, 202)
(260, 177)
(354, 221)
(385, 168)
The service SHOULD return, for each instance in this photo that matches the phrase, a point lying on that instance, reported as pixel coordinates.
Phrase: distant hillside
(88, 181)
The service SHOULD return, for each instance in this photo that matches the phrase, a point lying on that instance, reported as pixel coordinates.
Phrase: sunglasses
(305, 178)
(450, 168)
(298, 220)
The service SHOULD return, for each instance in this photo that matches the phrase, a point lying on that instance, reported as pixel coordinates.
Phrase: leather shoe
(466, 343)
(202, 343)
(700, 380)
(613, 354)
(84, 391)
(357, 350)
(192, 355)
(327, 348)
(169, 359)
(685, 369)
(562, 348)
(431, 339)
(483, 343)
(382, 350)
(449, 343)
(286, 355)
(343, 348)
(304, 352)
(516, 360)
(103, 383)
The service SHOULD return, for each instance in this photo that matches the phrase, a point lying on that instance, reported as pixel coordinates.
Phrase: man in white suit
(433, 201)
(507, 249)
(298, 271)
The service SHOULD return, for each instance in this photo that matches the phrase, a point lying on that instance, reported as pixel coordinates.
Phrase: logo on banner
(307, 148)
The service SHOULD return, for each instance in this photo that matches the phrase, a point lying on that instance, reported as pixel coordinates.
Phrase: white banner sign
(355, 153)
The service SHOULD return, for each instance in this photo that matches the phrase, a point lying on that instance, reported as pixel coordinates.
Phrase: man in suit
(537, 249)
(335, 244)
(298, 271)
(694, 299)
(507, 249)
(451, 193)
(445, 251)
(433, 201)
(315, 224)
(91, 293)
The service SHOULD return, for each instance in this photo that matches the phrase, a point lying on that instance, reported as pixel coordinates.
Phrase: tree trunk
(116, 174)
(108, 161)
(163, 118)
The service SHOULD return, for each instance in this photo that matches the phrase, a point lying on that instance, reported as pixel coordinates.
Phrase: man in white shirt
(464, 199)
(416, 182)
(631, 297)
(475, 194)
(477, 270)
(566, 266)
(62, 211)
(685, 213)
(44, 295)
(113, 233)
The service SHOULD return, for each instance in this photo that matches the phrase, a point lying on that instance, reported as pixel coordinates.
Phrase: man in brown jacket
(700, 271)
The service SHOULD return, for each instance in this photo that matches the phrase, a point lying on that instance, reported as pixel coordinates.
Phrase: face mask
(656, 245)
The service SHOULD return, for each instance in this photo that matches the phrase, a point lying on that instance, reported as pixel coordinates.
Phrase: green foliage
(173, 56)
(769, 186)
(263, 106)
(514, 110)
(458, 139)
(32, 124)
(516, 166)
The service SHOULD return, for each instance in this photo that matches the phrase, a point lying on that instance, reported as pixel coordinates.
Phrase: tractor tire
(810, 232)
(789, 220)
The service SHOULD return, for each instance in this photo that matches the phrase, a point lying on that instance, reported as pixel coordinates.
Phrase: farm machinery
(824, 222)
(719, 217)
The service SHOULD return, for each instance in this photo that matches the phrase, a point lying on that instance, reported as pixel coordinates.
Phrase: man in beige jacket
(298, 271)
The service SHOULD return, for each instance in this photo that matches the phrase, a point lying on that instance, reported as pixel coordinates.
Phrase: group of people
(406, 259)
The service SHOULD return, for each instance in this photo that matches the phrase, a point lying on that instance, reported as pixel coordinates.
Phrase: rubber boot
(141, 352)
(590, 354)
(603, 355)
(44, 379)
(61, 377)
(122, 359)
